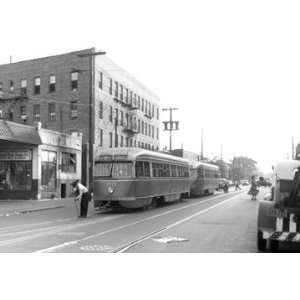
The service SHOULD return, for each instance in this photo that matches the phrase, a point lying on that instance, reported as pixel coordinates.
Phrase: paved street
(219, 223)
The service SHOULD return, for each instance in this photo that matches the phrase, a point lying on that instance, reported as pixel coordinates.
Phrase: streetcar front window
(122, 169)
(114, 169)
(103, 169)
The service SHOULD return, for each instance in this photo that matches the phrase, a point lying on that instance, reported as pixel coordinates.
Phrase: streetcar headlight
(110, 189)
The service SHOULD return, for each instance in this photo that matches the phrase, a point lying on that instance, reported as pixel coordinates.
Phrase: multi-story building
(82, 91)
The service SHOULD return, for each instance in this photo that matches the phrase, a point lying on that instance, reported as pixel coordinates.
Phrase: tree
(243, 168)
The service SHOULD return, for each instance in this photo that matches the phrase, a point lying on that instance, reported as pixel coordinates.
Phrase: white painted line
(138, 222)
(175, 224)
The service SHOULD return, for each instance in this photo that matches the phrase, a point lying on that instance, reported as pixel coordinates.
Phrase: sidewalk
(8, 207)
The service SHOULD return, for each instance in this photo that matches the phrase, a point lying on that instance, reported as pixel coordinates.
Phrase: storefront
(36, 163)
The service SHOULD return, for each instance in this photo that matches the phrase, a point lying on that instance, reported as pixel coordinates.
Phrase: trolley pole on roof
(171, 125)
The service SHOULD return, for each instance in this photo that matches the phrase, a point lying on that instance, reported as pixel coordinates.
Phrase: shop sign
(15, 155)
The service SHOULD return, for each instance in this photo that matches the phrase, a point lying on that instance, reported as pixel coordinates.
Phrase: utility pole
(221, 154)
(171, 125)
(202, 155)
(293, 148)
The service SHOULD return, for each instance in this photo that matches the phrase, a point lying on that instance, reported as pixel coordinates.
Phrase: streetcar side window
(142, 169)
(173, 171)
(201, 172)
(166, 170)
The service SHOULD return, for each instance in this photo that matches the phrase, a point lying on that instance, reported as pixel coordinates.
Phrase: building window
(139, 102)
(130, 142)
(142, 104)
(127, 119)
(23, 113)
(127, 141)
(149, 130)
(49, 171)
(37, 85)
(68, 162)
(36, 112)
(121, 91)
(52, 82)
(142, 127)
(110, 113)
(127, 95)
(15, 175)
(110, 140)
(146, 128)
(52, 112)
(152, 131)
(139, 144)
(122, 141)
(110, 86)
(100, 110)
(74, 81)
(1, 86)
(157, 113)
(11, 86)
(157, 133)
(134, 100)
(100, 137)
(74, 110)
(134, 143)
(23, 86)
(116, 140)
(116, 89)
(122, 118)
(139, 125)
(152, 110)
(117, 117)
(131, 93)
(101, 80)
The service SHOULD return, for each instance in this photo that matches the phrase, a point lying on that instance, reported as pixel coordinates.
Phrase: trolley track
(125, 246)
(50, 233)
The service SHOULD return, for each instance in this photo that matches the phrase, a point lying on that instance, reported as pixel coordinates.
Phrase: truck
(279, 212)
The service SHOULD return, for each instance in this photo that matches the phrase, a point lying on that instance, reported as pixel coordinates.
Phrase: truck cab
(279, 212)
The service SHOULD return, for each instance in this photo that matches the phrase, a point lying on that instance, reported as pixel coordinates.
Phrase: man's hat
(74, 183)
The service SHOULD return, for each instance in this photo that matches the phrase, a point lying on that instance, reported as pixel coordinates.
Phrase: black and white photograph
(167, 129)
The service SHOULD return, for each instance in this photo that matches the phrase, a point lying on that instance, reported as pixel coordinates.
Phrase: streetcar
(205, 178)
(138, 178)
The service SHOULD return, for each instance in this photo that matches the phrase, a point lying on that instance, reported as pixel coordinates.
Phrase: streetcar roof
(197, 164)
(136, 153)
(286, 169)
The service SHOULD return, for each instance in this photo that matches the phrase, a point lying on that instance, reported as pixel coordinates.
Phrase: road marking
(54, 230)
(50, 249)
(134, 243)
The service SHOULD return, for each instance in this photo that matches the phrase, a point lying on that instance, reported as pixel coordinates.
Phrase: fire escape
(8, 101)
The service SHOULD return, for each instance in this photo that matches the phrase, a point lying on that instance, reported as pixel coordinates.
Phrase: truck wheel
(273, 246)
(261, 243)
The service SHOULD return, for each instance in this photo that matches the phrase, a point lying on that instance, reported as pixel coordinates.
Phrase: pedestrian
(237, 186)
(82, 194)
(253, 189)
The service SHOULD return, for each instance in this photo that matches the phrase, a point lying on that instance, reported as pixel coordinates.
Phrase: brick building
(85, 92)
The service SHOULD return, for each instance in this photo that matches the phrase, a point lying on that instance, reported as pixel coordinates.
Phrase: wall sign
(15, 155)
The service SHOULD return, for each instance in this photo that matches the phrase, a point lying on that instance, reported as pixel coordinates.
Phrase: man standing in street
(82, 194)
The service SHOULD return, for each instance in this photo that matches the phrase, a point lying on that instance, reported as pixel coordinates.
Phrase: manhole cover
(96, 248)
(169, 239)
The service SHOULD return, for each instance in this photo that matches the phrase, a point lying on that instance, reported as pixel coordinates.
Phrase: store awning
(19, 133)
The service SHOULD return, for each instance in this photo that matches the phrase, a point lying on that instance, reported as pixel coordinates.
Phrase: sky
(231, 67)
